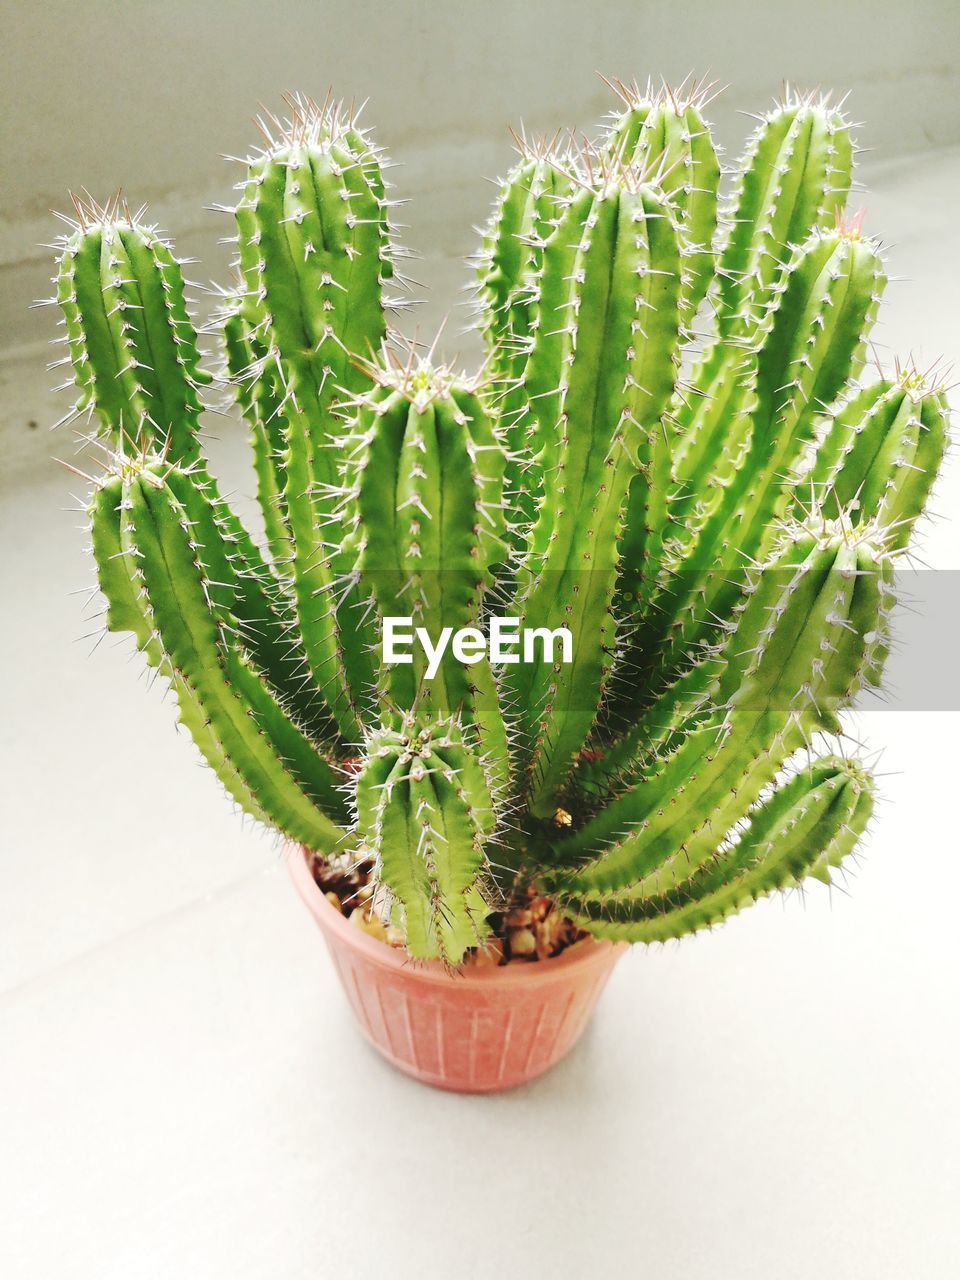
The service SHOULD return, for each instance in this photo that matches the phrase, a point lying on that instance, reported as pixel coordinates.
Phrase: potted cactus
(531, 664)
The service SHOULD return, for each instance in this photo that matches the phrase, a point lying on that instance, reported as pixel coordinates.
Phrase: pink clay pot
(475, 1032)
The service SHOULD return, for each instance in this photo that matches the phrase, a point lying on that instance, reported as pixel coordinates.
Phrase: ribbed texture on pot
(476, 1032)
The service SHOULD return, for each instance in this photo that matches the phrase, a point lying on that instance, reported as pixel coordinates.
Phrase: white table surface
(182, 1093)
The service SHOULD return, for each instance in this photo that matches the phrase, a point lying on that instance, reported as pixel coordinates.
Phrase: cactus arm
(879, 459)
(797, 663)
(505, 257)
(295, 786)
(117, 578)
(427, 483)
(313, 580)
(698, 222)
(793, 182)
(359, 310)
(259, 614)
(816, 486)
(397, 840)
(713, 430)
(555, 401)
(666, 135)
(807, 826)
(447, 843)
(472, 479)
(371, 163)
(380, 428)
(545, 373)
(814, 346)
(794, 179)
(510, 268)
(708, 447)
(165, 343)
(620, 379)
(681, 707)
(133, 345)
(459, 858)
(530, 201)
(127, 298)
(128, 610)
(423, 808)
(313, 244)
(904, 500)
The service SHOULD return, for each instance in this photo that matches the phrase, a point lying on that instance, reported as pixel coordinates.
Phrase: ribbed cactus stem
(794, 179)
(260, 394)
(616, 371)
(131, 340)
(798, 653)
(880, 456)
(423, 809)
(314, 248)
(509, 289)
(806, 827)
(663, 134)
(813, 345)
(508, 265)
(186, 619)
(128, 610)
(430, 551)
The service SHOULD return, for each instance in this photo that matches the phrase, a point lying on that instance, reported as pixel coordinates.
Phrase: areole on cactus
(668, 454)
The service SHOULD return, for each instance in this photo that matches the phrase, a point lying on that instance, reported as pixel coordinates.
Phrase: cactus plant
(668, 455)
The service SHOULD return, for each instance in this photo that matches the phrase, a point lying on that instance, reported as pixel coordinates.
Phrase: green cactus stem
(616, 365)
(260, 395)
(797, 655)
(424, 810)
(131, 341)
(315, 250)
(509, 292)
(880, 455)
(186, 622)
(430, 551)
(662, 133)
(812, 347)
(807, 826)
(793, 180)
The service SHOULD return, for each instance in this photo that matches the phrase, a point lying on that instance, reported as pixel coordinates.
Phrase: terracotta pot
(475, 1032)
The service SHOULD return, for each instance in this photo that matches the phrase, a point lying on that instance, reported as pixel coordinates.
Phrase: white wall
(146, 94)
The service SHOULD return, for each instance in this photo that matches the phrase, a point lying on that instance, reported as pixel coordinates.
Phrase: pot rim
(587, 951)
